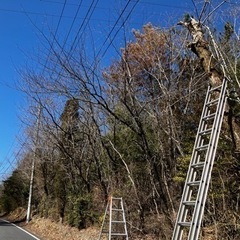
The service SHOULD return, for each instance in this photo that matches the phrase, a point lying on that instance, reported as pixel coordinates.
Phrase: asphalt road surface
(10, 231)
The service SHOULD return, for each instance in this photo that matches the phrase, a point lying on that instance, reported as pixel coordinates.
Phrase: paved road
(10, 231)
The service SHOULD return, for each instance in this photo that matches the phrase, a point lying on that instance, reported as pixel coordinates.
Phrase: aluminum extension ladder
(191, 209)
(114, 223)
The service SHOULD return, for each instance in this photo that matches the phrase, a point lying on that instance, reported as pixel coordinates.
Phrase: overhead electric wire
(83, 25)
(9, 160)
(161, 5)
(118, 30)
(118, 19)
(48, 15)
(30, 12)
(75, 39)
(66, 38)
(116, 33)
(85, 18)
(74, 19)
(140, 2)
(59, 21)
(11, 163)
(70, 29)
(55, 34)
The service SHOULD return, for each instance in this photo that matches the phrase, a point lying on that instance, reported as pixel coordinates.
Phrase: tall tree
(69, 127)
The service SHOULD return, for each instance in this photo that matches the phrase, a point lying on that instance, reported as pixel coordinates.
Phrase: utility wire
(108, 36)
(85, 21)
(85, 18)
(69, 31)
(74, 19)
(11, 163)
(140, 2)
(61, 15)
(4, 170)
(116, 33)
(55, 34)
(65, 41)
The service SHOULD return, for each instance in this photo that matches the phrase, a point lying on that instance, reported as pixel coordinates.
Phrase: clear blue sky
(18, 38)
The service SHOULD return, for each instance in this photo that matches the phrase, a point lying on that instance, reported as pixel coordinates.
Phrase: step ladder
(114, 223)
(191, 209)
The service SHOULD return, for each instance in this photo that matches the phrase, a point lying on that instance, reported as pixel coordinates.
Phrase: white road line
(21, 229)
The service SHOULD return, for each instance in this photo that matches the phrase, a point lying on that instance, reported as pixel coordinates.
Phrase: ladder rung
(184, 224)
(213, 102)
(215, 88)
(194, 183)
(202, 148)
(197, 165)
(118, 234)
(209, 117)
(205, 132)
(189, 203)
(114, 198)
(117, 209)
(115, 221)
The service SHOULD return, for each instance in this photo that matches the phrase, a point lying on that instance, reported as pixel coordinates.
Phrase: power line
(82, 27)
(140, 2)
(49, 15)
(118, 19)
(55, 34)
(59, 21)
(74, 19)
(10, 153)
(161, 5)
(30, 12)
(70, 4)
(116, 33)
(85, 18)
(10, 163)
(64, 43)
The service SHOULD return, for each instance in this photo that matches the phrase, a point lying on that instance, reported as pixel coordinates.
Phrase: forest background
(127, 129)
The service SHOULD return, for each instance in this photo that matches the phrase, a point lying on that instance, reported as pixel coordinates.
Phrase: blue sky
(19, 40)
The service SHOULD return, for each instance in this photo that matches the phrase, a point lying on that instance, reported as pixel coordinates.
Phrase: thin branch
(218, 6)
(128, 172)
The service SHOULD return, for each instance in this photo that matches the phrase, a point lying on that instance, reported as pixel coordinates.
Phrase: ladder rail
(104, 217)
(124, 219)
(110, 220)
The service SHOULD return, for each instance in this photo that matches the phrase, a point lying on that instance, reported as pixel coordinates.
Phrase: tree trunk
(213, 68)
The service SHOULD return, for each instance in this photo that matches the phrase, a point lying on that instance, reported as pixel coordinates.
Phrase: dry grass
(49, 230)
(46, 229)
